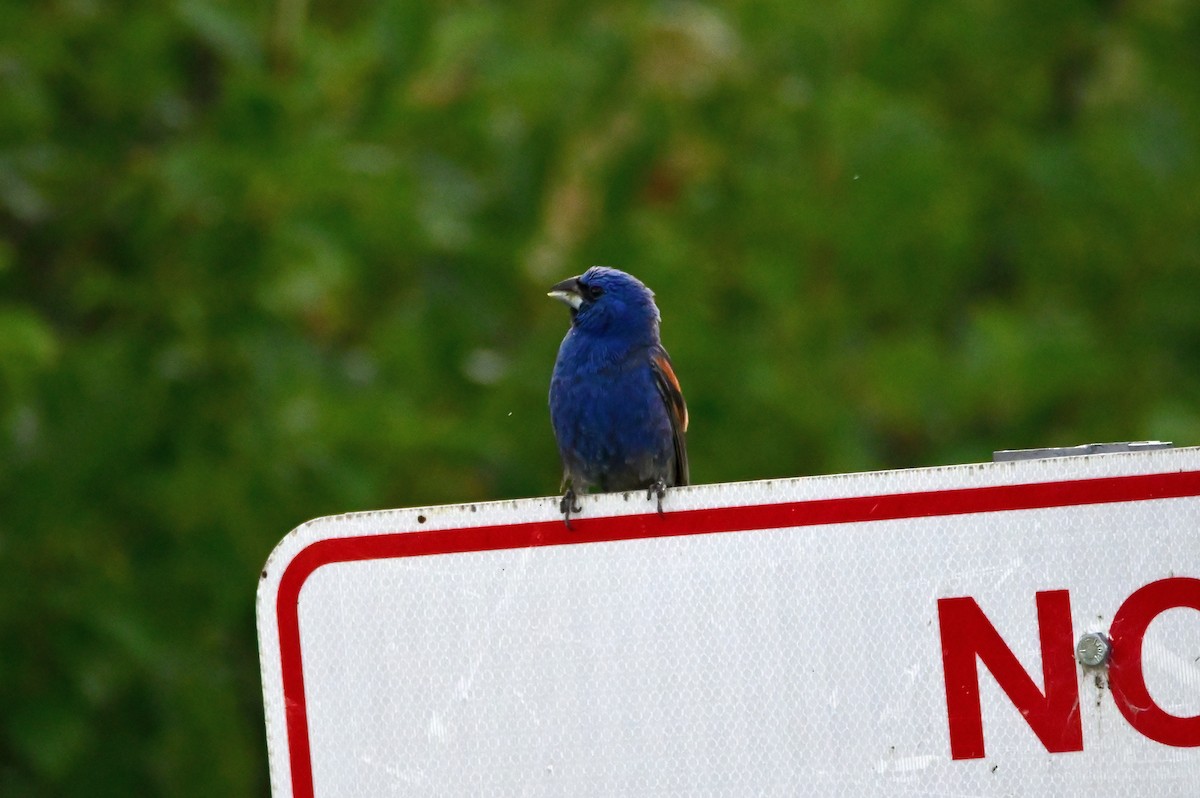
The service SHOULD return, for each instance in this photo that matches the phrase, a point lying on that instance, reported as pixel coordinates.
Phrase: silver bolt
(1093, 650)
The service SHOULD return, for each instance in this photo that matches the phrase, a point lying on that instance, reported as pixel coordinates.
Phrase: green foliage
(259, 264)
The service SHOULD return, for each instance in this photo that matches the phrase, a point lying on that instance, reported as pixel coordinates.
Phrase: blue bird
(615, 403)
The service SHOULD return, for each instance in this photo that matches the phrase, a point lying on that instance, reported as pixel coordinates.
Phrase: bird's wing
(672, 394)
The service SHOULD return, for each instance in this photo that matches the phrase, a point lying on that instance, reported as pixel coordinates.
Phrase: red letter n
(967, 634)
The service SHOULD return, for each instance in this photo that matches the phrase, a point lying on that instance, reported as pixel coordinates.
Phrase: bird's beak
(568, 291)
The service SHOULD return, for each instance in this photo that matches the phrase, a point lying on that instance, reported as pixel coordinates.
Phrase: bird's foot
(657, 489)
(568, 506)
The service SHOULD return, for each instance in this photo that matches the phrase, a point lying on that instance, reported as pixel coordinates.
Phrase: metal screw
(1093, 650)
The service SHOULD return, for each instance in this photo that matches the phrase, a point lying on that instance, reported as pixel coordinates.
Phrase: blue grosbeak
(616, 406)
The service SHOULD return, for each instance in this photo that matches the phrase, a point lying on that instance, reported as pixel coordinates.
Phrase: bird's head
(604, 300)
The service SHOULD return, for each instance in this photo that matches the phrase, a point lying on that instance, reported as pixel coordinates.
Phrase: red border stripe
(959, 501)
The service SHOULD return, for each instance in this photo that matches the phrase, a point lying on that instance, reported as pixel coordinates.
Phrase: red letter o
(1126, 678)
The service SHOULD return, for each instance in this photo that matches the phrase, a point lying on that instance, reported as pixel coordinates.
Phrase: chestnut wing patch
(672, 394)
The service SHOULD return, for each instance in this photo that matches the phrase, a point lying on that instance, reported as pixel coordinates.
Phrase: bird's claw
(567, 506)
(657, 489)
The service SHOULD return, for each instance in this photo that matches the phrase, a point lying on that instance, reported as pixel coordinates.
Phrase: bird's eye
(592, 291)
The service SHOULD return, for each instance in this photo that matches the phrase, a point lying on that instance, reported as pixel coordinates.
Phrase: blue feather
(615, 404)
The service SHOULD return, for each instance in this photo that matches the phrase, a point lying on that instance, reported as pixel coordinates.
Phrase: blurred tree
(262, 263)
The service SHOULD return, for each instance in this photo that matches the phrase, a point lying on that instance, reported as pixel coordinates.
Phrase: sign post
(1028, 627)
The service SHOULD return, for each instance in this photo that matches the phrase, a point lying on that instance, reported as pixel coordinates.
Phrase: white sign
(909, 632)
